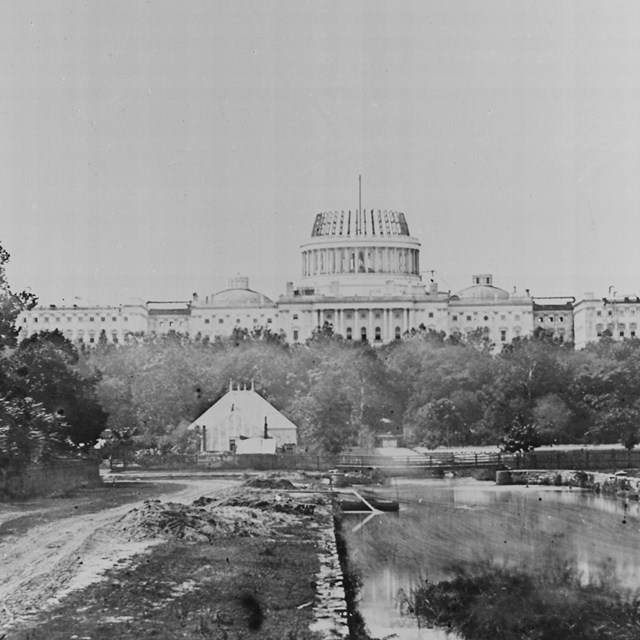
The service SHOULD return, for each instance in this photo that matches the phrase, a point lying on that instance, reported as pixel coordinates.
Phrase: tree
(520, 436)
(28, 433)
(11, 305)
(45, 367)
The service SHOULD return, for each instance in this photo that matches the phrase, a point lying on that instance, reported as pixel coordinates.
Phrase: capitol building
(360, 273)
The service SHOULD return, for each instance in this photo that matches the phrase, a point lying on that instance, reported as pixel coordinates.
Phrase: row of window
(469, 318)
(255, 320)
(377, 334)
(79, 318)
(620, 327)
(619, 311)
(621, 334)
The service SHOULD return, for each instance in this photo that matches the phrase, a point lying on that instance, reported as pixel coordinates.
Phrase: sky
(156, 149)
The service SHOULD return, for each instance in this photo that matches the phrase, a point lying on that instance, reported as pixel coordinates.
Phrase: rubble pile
(268, 501)
(193, 523)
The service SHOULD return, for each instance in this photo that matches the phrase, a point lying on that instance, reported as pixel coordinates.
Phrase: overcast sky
(155, 149)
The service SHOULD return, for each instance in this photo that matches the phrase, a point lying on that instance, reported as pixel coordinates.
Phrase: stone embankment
(606, 483)
(330, 611)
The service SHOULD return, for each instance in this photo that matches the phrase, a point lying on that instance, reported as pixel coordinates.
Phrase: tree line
(427, 388)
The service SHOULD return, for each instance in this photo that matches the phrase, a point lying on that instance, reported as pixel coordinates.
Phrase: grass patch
(484, 602)
(228, 589)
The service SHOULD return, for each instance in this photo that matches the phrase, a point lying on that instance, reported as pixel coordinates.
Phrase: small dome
(483, 292)
(240, 298)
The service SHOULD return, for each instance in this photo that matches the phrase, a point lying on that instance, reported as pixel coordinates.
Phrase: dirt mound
(268, 500)
(270, 483)
(191, 523)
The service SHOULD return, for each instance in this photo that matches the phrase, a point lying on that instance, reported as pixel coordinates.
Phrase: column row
(360, 260)
(381, 325)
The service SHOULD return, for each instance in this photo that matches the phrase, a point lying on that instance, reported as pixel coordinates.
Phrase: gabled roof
(247, 410)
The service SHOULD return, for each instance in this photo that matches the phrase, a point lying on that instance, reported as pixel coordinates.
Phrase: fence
(587, 459)
(227, 461)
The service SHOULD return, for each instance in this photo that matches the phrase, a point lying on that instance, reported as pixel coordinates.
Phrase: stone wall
(330, 610)
(48, 480)
(606, 483)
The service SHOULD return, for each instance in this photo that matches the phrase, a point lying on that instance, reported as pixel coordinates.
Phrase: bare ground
(51, 548)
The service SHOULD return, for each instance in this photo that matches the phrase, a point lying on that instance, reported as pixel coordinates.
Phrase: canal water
(444, 522)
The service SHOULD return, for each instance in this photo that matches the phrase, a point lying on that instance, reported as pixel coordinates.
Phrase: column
(370, 332)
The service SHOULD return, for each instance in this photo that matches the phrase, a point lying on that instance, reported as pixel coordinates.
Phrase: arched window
(349, 333)
(398, 333)
(378, 334)
(363, 334)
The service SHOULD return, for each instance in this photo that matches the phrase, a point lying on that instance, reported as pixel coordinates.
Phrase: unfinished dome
(362, 252)
(360, 223)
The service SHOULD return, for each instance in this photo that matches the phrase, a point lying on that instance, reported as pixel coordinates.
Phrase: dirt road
(40, 565)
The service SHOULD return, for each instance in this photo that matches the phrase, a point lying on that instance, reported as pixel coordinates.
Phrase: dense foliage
(432, 390)
(48, 402)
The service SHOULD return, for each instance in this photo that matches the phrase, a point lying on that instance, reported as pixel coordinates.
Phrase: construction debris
(191, 523)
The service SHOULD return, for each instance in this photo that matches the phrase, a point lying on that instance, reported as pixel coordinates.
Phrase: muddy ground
(203, 557)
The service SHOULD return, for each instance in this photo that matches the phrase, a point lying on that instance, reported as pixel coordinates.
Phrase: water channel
(443, 522)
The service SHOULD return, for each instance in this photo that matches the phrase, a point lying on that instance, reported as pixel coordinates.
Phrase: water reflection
(447, 522)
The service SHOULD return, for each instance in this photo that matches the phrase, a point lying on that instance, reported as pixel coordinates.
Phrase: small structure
(242, 421)
(387, 440)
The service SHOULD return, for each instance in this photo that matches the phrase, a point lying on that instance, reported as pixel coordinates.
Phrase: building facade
(360, 273)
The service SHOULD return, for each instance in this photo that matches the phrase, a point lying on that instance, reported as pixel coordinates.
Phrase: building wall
(86, 323)
(617, 317)
(501, 320)
(556, 319)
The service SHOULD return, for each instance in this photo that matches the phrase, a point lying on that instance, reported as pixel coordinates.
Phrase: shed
(243, 414)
